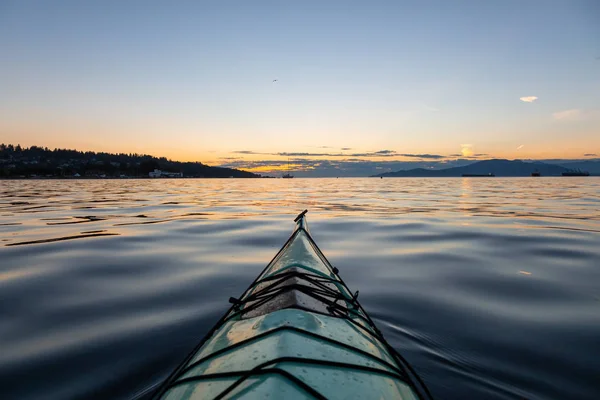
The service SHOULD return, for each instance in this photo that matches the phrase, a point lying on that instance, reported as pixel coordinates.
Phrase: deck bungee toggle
(297, 332)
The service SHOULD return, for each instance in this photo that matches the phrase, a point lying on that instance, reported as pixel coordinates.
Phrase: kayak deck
(296, 332)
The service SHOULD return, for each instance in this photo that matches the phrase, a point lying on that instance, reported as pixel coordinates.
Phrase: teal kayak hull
(296, 333)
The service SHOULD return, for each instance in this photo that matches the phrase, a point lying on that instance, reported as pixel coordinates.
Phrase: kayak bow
(297, 332)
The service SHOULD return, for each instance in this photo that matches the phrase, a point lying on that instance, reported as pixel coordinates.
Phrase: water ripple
(488, 287)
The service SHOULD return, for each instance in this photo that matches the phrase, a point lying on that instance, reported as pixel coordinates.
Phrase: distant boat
(576, 173)
(477, 175)
(536, 173)
(288, 175)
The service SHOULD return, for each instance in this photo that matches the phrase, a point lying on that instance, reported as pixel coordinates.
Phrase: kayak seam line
(301, 331)
(284, 373)
(243, 375)
(286, 359)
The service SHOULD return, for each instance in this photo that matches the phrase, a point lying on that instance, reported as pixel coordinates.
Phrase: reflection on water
(490, 287)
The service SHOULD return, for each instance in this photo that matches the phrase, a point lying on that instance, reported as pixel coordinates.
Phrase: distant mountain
(485, 167)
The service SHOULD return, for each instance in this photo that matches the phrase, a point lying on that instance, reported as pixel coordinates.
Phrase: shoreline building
(157, 173)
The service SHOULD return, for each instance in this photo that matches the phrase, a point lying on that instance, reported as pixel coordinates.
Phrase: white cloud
(528, 99)
(568, 115)
(520, 147)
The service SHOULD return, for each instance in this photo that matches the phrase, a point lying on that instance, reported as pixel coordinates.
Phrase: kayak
(297, 332)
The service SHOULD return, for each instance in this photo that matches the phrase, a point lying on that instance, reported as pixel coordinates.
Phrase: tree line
(18, 161)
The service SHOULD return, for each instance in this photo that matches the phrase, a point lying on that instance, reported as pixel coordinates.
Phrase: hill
(497, 167)
(18, 162)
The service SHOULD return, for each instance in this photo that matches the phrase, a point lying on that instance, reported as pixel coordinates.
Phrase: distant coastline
(498, 168)
(89, 178)
(36, 162)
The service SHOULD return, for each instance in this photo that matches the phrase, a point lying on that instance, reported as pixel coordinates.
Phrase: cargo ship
(576, 173)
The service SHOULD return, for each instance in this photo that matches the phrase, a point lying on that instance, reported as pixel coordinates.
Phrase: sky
(321, 85)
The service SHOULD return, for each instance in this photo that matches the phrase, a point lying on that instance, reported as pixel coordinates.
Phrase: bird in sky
(274, 80)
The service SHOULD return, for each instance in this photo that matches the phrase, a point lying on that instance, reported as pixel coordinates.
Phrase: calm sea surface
(489, 287)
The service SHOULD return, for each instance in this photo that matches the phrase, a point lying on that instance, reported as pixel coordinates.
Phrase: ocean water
(490, 287)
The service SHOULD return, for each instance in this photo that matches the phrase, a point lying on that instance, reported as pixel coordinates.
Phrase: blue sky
(194, 81)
